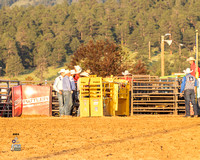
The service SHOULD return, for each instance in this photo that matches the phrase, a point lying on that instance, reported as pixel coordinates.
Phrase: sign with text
(33, 99)
(36, 100)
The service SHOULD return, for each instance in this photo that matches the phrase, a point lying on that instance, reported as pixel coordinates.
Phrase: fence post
(176, 97)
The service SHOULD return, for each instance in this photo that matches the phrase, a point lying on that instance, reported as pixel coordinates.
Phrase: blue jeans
(189, 95)
(61, 103)
(67, 102)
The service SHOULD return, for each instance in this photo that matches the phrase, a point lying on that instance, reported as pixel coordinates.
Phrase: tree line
(41, 36)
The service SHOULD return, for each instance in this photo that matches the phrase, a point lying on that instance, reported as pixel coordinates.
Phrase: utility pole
(179, 47)
(149, 50)
(162, 57)
(197, 54)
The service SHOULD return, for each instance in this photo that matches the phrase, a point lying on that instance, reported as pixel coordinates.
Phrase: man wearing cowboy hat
(188, 85)
(72, 72)
(125, 74)
(67, 88)
(78, 70)
(58, 87)
(191, 60)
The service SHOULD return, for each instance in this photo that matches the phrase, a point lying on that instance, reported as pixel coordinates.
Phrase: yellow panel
(84, 97)
(96, 96)
(123, 100)
(96, 107)
(84, 107)
(115, 97)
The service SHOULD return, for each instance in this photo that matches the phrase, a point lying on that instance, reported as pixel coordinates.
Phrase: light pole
(162, 52)
(179, 50)
(179, 47)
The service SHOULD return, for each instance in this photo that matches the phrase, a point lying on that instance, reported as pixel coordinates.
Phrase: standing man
(188, 85)
(78, 70)
(71, 78)
(191, 60)
(58, 87)
(74, 95)
(125, 74)
(67, 93)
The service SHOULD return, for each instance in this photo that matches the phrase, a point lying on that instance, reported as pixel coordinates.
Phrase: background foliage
(47, 33)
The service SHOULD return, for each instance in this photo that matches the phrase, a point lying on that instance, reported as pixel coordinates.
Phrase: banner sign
(35, 100)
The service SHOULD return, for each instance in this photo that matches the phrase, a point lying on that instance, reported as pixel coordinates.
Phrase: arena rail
(6, 97)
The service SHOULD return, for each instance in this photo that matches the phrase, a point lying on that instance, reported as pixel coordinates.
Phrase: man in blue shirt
(67, 88)
(188, 85)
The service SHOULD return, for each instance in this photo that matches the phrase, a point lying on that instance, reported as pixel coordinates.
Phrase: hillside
(46, 36)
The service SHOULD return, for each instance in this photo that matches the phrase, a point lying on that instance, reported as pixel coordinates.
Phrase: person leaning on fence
(67, 88)
(188, 85)
(58, 87)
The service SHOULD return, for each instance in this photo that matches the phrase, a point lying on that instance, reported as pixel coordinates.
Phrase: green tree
(14, 65)
(41, 60)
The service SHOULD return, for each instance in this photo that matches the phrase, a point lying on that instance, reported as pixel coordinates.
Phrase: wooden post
(162, 57)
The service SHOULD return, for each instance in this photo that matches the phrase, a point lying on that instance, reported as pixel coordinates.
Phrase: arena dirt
(138, 137)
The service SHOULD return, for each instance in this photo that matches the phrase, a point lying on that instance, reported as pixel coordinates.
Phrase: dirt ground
(139, 137)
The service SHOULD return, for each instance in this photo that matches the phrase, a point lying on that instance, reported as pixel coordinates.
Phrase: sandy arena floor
(138, 137)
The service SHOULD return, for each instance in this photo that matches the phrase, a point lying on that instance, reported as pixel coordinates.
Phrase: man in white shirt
(58, 87)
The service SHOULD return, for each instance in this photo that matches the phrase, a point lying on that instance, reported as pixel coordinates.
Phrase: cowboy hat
(73, 71)
(191, 59)
(78, 69)
(187, 71)
(84, 74)
(126, 73)
(67, 71)
(62, 71)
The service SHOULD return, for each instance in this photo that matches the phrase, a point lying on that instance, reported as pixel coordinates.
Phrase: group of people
(188, 88)
(67, 87)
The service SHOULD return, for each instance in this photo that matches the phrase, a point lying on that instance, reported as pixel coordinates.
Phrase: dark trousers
(189, 96)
